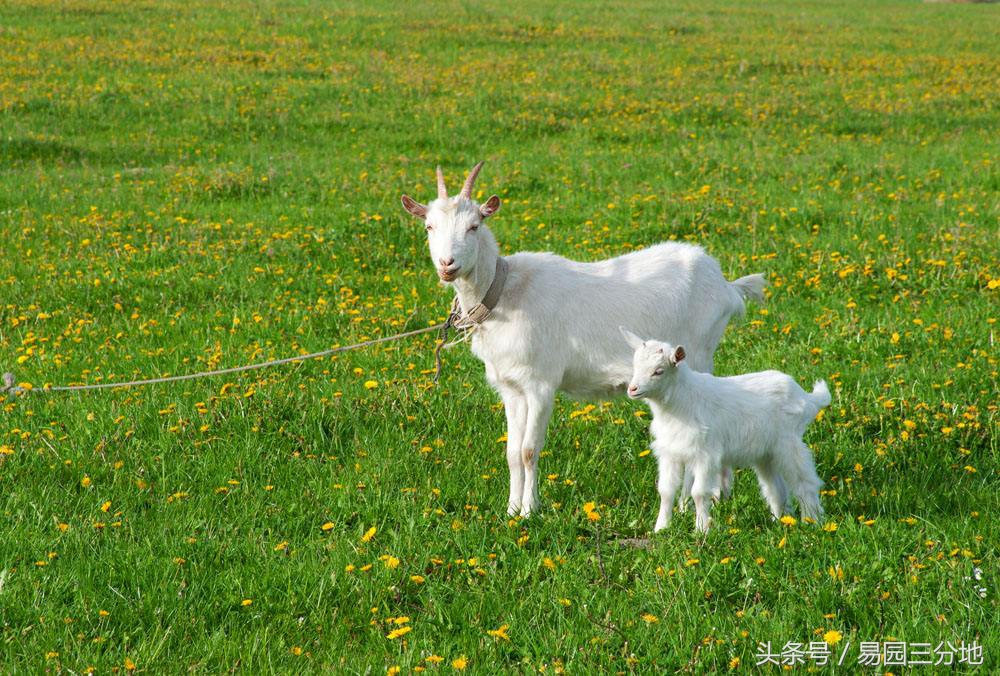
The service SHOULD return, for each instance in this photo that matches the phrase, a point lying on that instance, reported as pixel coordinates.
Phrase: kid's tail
(820, 394)
(751, 287)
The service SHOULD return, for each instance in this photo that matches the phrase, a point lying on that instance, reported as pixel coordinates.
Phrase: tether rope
(10, 387)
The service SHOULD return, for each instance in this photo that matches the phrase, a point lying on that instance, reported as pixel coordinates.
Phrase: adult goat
(543, 323)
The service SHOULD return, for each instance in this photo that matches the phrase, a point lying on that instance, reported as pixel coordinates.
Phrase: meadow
(192, 185)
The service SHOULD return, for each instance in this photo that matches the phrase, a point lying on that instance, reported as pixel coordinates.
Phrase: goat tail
(820, 394)
(751, 287)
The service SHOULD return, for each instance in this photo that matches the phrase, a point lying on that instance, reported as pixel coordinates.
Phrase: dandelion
(788, 520)
(369, 534)
(85, 481)
(327, 527)
(832, 637)
(649, 618)
(129, 665)
(460, 663)
(246, 602)
(399, 631)
(500, 632)
(371, 384)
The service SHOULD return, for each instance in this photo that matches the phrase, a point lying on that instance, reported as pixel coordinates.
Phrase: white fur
(705, 423)
(555, 327)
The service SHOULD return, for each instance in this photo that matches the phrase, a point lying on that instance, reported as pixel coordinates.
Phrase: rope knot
(9, 384)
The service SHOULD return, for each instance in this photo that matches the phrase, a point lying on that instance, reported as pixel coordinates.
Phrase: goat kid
(703, 422)
(555, 324)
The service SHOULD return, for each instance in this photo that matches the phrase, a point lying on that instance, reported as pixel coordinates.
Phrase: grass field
(189, 185)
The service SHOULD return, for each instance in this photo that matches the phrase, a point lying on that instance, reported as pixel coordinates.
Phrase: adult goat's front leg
(539, 402)
(515, 408)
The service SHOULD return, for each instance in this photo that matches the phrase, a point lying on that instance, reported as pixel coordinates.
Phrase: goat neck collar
(480, 312)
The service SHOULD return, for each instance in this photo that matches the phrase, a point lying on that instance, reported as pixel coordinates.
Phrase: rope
(9, 384)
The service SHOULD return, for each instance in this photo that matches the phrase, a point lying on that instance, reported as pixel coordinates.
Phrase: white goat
(704, 423)
(555, 324)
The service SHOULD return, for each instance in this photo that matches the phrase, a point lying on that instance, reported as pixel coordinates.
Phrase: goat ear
(678, 355)
(414, 207)
(490, 206)
(634, 341)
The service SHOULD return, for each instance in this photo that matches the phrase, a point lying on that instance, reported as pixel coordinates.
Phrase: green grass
(192, 184)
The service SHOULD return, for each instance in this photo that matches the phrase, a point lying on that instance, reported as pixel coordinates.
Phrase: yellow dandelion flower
(460, 663)
(371, 384)
(246, 602)
(328, 526)
(788, 520)
(369, 534)
(832, 637)
(396, 633)
(649, 618)
(500, 632)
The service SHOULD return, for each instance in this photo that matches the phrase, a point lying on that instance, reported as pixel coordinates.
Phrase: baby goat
(705, 423)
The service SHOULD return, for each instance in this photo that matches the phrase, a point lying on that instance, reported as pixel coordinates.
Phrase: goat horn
(467, 188)
(442, 190)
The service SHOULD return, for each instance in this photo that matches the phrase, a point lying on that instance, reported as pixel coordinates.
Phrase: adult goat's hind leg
(515, 408)
(539, 401)
(772, 487)
(685, 494)
(705, 488)
(800, 472)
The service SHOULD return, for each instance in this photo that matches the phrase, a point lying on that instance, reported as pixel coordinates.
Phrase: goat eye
(473, 228)
(658, 372)
(429, 228)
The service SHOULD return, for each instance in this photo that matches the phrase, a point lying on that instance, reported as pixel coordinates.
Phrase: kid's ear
(634, 341)
(678, 355)
(414, 207)
(490, 206)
